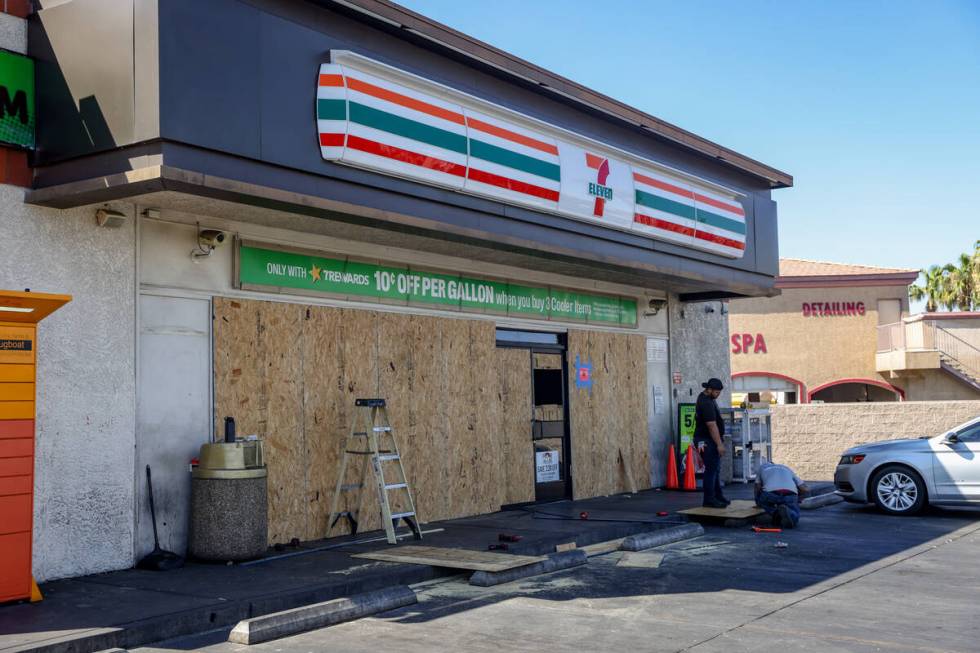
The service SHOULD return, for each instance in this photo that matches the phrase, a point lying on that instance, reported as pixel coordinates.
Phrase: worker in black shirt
(708, 429)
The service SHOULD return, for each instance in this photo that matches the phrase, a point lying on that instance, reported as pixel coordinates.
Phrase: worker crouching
(777, 491)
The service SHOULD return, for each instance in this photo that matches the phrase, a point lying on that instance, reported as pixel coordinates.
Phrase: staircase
(958, 357)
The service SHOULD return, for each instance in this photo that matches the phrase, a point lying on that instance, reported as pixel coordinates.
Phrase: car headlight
(852, 459)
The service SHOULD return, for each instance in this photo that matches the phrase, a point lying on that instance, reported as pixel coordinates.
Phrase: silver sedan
(902, 476)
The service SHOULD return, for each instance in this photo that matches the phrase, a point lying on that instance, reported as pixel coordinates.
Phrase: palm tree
(959, 279)
(975, 274)
(934, 289)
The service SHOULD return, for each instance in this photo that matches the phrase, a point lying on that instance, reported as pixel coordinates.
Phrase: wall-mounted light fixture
(109, 219)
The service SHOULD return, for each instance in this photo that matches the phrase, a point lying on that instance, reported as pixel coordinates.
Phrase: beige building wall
(935, 385)
(811, 438)
(815, 350)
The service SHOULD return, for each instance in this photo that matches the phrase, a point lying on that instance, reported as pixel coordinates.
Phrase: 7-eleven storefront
(526, 284)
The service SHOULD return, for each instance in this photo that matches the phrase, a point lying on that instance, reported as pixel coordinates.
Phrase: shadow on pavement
(133, 607)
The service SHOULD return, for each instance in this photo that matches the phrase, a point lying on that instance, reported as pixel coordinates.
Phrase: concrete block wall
(811, 437)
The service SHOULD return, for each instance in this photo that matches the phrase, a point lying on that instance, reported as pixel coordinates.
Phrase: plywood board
(640, 559)
(740, 509)
(426, 460)
(610, 417)
(323, 413)
(460, 407)
(517, 449)
(547, 361)
(239, 379)
(454, 558)
(280, 327)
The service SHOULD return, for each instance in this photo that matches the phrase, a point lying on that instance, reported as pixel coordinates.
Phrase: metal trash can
(229, 514)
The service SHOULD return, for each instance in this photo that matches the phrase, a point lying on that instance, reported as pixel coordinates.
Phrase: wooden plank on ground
(454, 558)
(602, 548)
(737, 510)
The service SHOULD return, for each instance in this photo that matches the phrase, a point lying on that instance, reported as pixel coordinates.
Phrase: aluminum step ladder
(372, 438)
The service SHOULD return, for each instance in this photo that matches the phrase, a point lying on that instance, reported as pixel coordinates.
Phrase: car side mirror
(950, 438)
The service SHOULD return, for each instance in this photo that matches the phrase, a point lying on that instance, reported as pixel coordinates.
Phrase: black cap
(713, 384)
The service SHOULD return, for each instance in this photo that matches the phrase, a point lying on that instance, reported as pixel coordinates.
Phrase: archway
(784, 389)
(856, 390)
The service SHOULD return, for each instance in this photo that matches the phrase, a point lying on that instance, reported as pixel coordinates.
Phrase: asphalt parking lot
(850, 579)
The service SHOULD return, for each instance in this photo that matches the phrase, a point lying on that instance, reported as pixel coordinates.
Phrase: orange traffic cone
(690, 484)
(672, 483)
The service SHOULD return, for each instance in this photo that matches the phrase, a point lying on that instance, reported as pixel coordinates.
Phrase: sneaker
(784, 516)
(715, 504)
(725, 500)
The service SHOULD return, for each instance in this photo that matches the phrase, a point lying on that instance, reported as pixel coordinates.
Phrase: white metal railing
(918, 335)
(924, 335)
(959, 350)
(891, 336)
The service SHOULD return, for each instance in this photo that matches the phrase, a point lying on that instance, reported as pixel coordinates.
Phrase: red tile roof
(798, 267)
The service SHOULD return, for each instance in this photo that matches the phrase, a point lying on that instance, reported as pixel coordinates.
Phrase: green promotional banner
(685, 420)
(16, 99)
(266, 267)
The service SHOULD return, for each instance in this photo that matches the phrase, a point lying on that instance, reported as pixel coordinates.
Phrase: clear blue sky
(873, 107)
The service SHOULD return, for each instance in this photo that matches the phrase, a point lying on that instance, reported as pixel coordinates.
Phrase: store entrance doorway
(549, 430)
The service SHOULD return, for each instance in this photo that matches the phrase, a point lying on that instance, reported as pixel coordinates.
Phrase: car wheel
(898, 490)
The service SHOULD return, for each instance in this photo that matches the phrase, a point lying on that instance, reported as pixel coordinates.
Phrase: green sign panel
(685, 420)
(16, 99)
(266, 267)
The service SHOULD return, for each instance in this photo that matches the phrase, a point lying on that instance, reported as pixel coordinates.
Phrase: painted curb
(820, 501)
(318, 615)
(555, 562)
(663, 536)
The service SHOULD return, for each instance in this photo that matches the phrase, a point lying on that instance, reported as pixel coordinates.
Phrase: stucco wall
(699, 333)
(966, 329)
(810, 438)
(699, 351)
(937, 385)
(816, 349)
(83, 501)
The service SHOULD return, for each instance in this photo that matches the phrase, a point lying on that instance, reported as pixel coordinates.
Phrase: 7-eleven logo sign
(599, 189)
(595, 187)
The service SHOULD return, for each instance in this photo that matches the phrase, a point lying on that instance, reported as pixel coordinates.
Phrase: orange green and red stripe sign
(383, 125)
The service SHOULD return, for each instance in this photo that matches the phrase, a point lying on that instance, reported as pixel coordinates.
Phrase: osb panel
(610, 417)
(458, 446)
(487, 457)
(280, 333)
(324, 408)
(426, 461)
(239, 387)
(581, 416)
(395, 371)
(547, 361)
(514, 378)
(459, 406)
(359, 336)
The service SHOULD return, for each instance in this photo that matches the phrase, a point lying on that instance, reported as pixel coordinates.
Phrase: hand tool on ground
(497, 547)
(759, 529)
(157, 559)
(507, 537)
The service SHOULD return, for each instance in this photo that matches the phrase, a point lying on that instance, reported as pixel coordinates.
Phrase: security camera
(210, 238)
(654, 306)
(207, 241)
